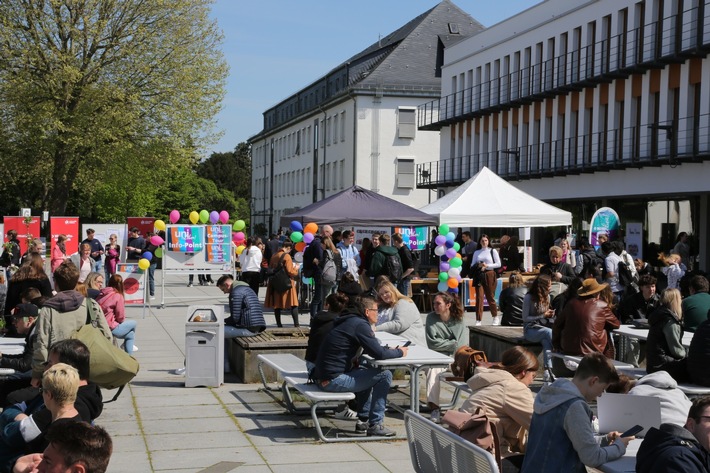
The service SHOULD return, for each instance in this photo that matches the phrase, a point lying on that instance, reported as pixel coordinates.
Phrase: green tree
(230, 170)
(87, 86)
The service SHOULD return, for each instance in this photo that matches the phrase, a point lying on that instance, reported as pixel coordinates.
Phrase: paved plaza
(159, 425)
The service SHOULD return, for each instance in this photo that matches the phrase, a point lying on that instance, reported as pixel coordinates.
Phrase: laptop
(620, 412)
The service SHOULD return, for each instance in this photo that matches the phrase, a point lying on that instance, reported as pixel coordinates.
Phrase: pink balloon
(240, 236)
(224, 217)
(174, 216)
(156, 240)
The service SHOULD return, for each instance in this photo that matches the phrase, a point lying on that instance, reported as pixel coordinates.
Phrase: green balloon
(204, 216)
(457, 247)
(443, 229)
(443, 276)
(239, 225)
(158, 252)
(455, 262)
(296, 237)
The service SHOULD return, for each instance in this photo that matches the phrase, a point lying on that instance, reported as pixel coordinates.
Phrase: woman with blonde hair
(503, 390)
(398, 314)
(568, 255)
(113, 255)
(664, 347)
(674, 270)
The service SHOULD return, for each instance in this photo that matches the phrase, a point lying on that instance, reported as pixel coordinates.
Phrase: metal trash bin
(204, 346)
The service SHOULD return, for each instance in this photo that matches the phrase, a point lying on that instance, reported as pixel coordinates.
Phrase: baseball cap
(25, 310)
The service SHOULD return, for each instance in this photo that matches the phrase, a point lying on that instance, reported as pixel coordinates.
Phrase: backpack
(330, 270)
(592, 266)
(465, 361)
(392, 267)
(477, 428)
(626, 278)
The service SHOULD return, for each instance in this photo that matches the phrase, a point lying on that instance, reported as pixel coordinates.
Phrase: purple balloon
(214, 217)
(450, 253)
(440, 240)
(444, 267)
(308, 238)
(454, 290)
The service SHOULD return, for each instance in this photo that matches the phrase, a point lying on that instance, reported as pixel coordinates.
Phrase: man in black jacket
(671, 448)
(336, 369)
(23, 318)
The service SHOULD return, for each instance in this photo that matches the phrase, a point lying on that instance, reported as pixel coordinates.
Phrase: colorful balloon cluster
(155, 240)
(449, 260)
(302, 236)
(203, 217)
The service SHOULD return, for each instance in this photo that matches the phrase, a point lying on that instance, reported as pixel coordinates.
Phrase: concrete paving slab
(178, 441)
(203, 458)
(341, 467)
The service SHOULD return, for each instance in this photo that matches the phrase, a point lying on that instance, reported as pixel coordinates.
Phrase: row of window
(298, 182)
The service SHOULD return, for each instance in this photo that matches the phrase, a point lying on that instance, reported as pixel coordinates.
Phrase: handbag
(280, 281)
(476, 428)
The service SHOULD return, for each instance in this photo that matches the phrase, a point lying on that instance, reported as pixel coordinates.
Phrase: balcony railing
(651, 45)
(635, 146)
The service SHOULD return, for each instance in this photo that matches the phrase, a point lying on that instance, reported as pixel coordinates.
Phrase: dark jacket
(582, 328)
(635, 307)
(510, 304)
(699, 355)
(511, 258)
(16, 288)
(350, 332)
(244, 308)
(405, 256)
(671, 449)
(377, 266)
(22, 362)
(663, 344)
(13, 256)
(563, 268)
(136, 242)
(321, 325)
(313, 251)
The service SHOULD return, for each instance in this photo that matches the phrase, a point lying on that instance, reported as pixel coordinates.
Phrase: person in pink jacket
(111, 301)
(59, 252)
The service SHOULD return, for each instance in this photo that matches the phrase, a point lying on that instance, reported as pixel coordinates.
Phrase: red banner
(68, 226)
(18, 224)
(144, 224)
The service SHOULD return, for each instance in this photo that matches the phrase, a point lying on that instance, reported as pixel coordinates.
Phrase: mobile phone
(632, 431)
(409, 342)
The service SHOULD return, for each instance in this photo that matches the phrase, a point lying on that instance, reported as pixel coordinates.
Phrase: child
(561, 438)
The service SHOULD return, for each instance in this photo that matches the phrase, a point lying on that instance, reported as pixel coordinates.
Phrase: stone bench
(495, 339)
(243, 351)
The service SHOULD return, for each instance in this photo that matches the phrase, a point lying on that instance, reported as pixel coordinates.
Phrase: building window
(405, 173)
(335, 128)
(407, 122)
(342, 126)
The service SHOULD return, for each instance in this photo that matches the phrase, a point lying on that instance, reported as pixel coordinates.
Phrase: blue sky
(276, 47)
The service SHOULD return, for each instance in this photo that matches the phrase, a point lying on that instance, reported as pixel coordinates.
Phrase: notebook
(620, 412)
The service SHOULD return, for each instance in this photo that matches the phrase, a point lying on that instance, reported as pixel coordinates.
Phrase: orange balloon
(458, 255)
(311, 228)
(300, 246)
(452, 283)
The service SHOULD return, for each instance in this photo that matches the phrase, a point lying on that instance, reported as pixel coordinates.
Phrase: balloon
(240, 248)
(451, 253)
(143, 264)
(214, 217)
(443, 277)
(444, 266)
(454, 290)
(457, 247)
(307, 281)
(454, 272)
(224, 217)
(174, 216)
(311, 228)
(158, 252)
(148, 255)
(156, 240)
(159, 225)
(443, 228)
(449, 244)
(296, 237)
(239, 225)
(308, 238)
(194, 217)
(240, 236)
(440, 250)
(452, 283)
(296, 226)
(450, 236)
(300, 247)
(444, 258)
(455, 262)
(298, 257)
(440, 240)
(204, 216)
(442, 287)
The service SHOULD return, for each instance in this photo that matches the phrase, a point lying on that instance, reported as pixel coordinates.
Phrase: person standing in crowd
(664, 346)
(283, 300)
(468, 248)
(682, 249)
(405, 256)
(486, 261)
(250, 262)
(135, 246)
(538, 317)
(113, 255)
(568, 255)
(512, 299)
(674, 270)
(369, 253)
(697, 305)
(112, 303)
(11, 252)
(312, 268)
(330, 252)
(384, 251)
(272, 246)
(349, 253)
(82, 260)
(446, 332)
(59, 252)
(510, 256)
(97, 249)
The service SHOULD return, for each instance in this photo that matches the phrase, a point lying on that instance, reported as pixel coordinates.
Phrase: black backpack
(592, 266)
(626, 278)
(392, 267)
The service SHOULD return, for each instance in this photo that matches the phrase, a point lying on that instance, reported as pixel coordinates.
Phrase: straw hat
(590, 286)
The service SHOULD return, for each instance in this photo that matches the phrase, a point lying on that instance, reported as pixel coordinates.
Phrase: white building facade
(585, 103)
(357, 125)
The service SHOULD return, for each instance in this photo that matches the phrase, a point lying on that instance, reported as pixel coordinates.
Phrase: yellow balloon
(240, 248)
(144, 264)
(159, 225)
(194, 217)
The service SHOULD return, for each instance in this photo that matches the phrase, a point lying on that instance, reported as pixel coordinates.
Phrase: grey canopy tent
(356, 206)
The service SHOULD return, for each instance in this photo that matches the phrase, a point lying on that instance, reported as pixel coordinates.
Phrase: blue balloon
(454, 290)
(442, 287)
(450, 236)
(148, 255)
(296, 226)
(444, 258)
(449, 243)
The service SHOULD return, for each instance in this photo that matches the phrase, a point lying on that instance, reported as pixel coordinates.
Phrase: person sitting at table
(664, 347)
(674, 402)
(582, 327)
(674, 448)
(398, 314)
(697, 305)
(511, 300)
(337, 369)
(538, 317)
(561, 272)
(639, 305)
(446, 332)
(503, 390)
(561, 438)
(699, 355)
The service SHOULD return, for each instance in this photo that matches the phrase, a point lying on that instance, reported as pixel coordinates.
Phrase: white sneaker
(347, 414)
(496, 320)
(435, 416)
(478, 323)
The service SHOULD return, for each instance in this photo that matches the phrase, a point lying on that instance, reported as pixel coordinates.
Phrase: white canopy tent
(487, 200)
